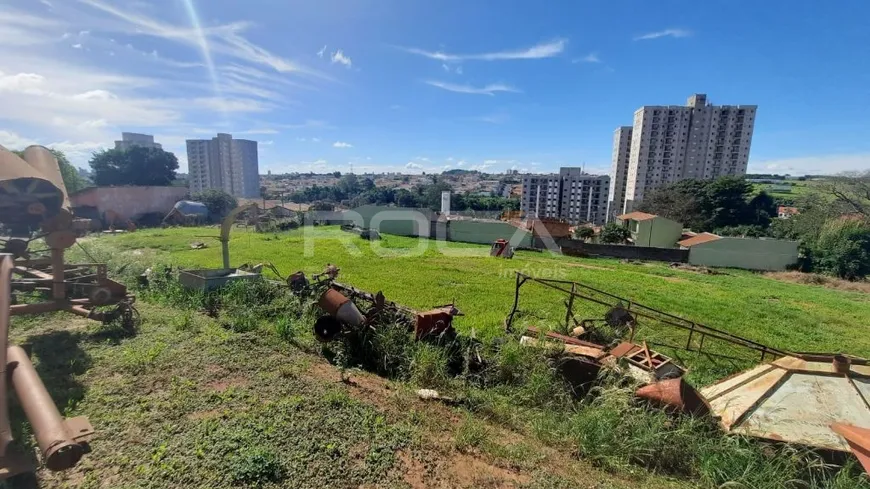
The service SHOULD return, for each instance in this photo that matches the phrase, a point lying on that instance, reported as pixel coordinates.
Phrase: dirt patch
(224, 384)
(824, 281)
(456, 470)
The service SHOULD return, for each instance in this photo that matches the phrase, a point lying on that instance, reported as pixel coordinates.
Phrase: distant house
(651, 230)
(707, 249)
(785, 212)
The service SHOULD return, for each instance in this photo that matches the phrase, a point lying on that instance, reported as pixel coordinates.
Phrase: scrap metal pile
(342, 304)
(34, 208)
(810, 399)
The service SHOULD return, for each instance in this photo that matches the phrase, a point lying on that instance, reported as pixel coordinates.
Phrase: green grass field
(420, 274)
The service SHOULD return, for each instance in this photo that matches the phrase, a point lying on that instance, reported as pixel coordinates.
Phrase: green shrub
(255, 465)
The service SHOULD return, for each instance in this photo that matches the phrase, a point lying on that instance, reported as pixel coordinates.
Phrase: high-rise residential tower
(572, 195)
(670, 143)
(224, 163)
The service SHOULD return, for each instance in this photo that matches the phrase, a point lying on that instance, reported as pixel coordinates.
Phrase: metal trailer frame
(694, 331)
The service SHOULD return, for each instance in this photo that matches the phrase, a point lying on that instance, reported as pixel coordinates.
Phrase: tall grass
(520, 386)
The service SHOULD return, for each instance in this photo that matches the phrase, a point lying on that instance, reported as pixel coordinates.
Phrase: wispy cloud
(264, 130)
(665, 33)
(589, 58)
(543, 50)
(341, 144)
(496, 118)
(322, 51)
(339, 57)
(413, 166)
(490, 89)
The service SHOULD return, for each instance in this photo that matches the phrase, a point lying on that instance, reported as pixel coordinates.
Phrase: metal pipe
(6, 266)
(57, 438)
(58, 288)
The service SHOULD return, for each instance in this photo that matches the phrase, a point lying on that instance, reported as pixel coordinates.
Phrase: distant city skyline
(422, 86)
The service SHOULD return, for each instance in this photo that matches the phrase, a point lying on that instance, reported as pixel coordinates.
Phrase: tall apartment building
(619, 170)
(572, 195)
(674, 142)
(224, 163)
(130, 139)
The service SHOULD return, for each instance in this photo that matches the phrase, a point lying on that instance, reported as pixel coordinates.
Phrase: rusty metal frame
(694, 330)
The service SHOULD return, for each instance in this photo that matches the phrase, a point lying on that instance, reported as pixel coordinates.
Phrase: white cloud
(11, 140)
(589, 58)
(396, 107)
(490, 89)
(322, 51)
(84, 33)
(76, 46)
(341, 144)
(264, 130)
(413, 166)
(664, 33)
(267, 143)
(315, 140)
(339, 57)
(21, 28)
(813, 165)
(46, 3)
(495, 118)
(542, 50)
(226, 39)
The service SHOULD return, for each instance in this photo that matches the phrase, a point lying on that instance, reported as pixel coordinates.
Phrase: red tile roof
(698, 239)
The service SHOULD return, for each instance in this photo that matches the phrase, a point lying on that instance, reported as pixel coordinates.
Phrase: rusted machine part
(31, 189)
(858, 440)
(435, 322)
(675, 395)
(842, 364)
(326, 328)
(61, 442)
(6, 266)
(340, 307)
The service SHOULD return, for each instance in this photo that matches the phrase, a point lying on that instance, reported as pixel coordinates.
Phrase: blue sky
(411, 85)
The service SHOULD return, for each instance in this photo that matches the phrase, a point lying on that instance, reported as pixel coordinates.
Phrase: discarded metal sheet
(674, 395)
(572, 345)
(858, 440)
(794, 400)
(31, 188)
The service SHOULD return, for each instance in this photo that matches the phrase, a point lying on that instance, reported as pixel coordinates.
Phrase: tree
(70, 174)
(613, 233)
(134, 166)
(584, 232)
(851, 192)
(219, 203)
(704, 205)
(843, 249)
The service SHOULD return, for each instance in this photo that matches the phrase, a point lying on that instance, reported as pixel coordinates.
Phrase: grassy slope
(785, 315)
(186, 403)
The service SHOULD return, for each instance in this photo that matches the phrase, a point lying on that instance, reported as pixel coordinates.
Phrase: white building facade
(224, 163)
(672, 143)
(130, 139)
(572, 195)
(619, 171)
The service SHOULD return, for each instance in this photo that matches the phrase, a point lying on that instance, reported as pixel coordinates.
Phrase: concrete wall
(658, 232)
(579, 248)
(129, 202)
(485, 232)
(750, 254)
(392, 220)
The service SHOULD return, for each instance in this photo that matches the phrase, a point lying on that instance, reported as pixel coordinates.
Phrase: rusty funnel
(31, 188)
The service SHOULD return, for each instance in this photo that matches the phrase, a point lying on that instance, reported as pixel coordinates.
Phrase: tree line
(353, 191)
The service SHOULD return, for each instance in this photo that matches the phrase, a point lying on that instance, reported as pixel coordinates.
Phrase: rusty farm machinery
(38, 227)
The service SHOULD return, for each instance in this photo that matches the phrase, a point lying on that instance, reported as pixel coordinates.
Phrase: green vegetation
(784, 315)
(225, 389)
(136, 165)
(355, 192)
(71, 178)
(219, 203)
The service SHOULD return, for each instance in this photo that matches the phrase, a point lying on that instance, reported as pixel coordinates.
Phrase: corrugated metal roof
(637, 216)
(698, 239)
(793, 400)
